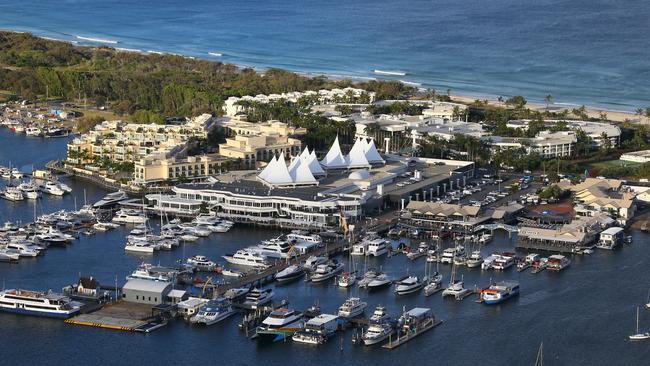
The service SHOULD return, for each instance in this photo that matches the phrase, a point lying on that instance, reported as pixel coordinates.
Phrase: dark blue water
(590, 52)
(583, 315)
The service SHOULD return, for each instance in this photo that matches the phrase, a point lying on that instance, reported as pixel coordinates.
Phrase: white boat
(421, 251)
(256, 298)
(235, 294)
(213, 312)
(275, 248)
(347, 279)
(381, 280)
(455, 288)
(557, 262)
(45, 304)
(475, 259)
(280, 324)
(111, 199)
(146, 271)
(202, 263)
(376, 333)
(408, 285)
(127, 216)
(23, 249)
(105, 226)
(324, 272)
(377, 247)
(314, 261)
(290, 273)
(359, 249)
(299, 236)
(30, 190)
(232, 273)
(499, 292)
(638, 336)
(139, 246)
(9, 255)
(13, 194)
(53, 188)
(317, 329)
(503, 261)
(244, 257)
(352, 307)
(485, 238)
(380, 315)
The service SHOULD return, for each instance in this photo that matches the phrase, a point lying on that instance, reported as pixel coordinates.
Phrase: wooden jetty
(123, 316)
(410, 335)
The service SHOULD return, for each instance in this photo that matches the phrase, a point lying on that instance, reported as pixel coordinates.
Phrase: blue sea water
(592, 52)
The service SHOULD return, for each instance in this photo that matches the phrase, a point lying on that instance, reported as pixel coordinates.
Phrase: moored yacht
(408, 285)
(244, 257)
(126, 216)
(317, 329)
(202, 263)
(352, 307)
(53, 188)
(281, 323)
(377, 333)
(324, 272)
(256, 298)
(111, 199)
(299, 236)
(475, 259)
(377, 247)
(557, 262)
(292, 272)
(213, 312)
(13, 194)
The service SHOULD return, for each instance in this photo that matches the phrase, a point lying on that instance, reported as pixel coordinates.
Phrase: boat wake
(96, 40)
(392, 73)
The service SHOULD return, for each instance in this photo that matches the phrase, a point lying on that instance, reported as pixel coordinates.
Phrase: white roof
(334, 158)
(176, 293)
(300, 172)
(314, 166)
(613, 230)
(276, 172)
(372, 155)
(322, 319)
(146, 285)
(357, 156)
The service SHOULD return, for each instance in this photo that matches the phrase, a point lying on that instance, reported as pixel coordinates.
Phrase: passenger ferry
(317, 330)
(499, 292)
(38, 303)
(256, 298)
(213, 312)
(377, 247)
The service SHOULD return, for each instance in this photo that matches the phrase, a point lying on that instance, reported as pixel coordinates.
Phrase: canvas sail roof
(357, 156)
(372, 155)
(300, 173)
(276, 172)
(334, 158)
(313, 164)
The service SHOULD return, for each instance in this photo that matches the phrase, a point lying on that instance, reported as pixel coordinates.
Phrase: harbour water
(590, 52)
(583, 314)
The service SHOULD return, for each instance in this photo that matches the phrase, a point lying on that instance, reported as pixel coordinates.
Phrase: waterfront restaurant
(579, 233)
(442, 217)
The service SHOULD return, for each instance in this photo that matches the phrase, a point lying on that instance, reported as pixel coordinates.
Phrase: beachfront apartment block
(259, 142)
(594, 130)
(237, 105)
(121, 141)
(546, 144)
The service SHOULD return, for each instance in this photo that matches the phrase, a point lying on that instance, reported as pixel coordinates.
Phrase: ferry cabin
(37, 303)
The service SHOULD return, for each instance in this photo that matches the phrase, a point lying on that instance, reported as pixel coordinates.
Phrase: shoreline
(465, 98)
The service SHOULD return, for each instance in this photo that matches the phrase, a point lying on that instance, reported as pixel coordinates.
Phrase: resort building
(155, 168)
(546, 144)
(315, 195)
(594, 130)
(260, 142)
(595, 196)
(238, 105)
(120, 141)
(642, 156)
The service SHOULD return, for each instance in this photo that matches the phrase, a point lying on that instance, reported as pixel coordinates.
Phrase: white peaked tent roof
(313, 164)
(300, 173)
(276, 172)
(372, 155)
(334, 158)
(357, 156)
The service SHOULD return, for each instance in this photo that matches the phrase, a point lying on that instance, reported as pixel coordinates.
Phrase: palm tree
(548, 99)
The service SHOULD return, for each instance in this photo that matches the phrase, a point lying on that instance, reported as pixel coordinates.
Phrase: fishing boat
(409, 285)
(352, 307)
(324, 272)
(280, 324)
(47, 304)
(317, 330)
(499, 292)
(213, 312)
(293, 272)
(639, 336)
(256, 298)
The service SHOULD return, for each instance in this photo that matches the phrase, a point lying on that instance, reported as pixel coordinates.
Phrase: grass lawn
(613, 163)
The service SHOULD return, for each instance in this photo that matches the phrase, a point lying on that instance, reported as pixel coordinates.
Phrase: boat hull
(42, 314)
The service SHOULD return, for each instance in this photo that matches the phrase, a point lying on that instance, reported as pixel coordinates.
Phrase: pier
(124, 316)
(410, 335)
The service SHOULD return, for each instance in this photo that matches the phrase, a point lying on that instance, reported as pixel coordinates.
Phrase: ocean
(591, 52)
(583, 314)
